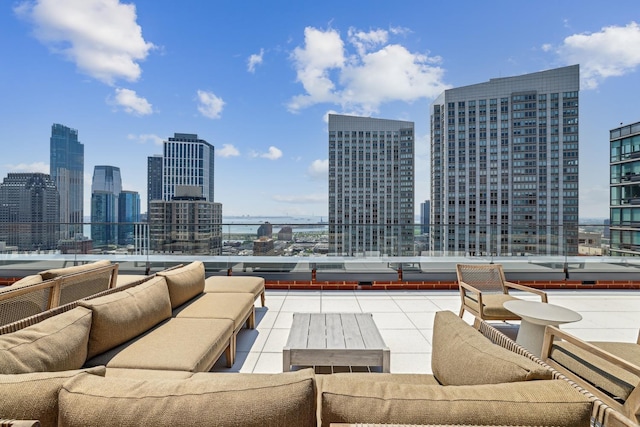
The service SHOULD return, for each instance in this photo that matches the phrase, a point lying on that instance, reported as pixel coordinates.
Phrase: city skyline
(258, 81)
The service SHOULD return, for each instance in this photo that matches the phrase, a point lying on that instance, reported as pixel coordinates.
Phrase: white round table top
(542, 313)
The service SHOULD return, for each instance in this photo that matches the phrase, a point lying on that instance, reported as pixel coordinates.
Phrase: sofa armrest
(630, 406)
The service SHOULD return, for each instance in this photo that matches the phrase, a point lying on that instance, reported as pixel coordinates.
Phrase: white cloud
(36, 167)
(227, 150)
(273, 153)
(319, 169)
(144, 138)
(132, 103)
(547, 47)
(613, 51)
(255, 59)
(100, 36)
(306, 198)
(210, 105)
(376, 72)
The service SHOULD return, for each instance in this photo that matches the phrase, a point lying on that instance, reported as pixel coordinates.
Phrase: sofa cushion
(57, 272)
(549, 402)
(34, 396)
(492, 305)
(251, 284)
(612, 379)
(147, 374)
(235, 307)
(121, 316)
(184, 344)
(58, 343)
(204, 400)
(27, 280)
(184, 282)
(463, 356)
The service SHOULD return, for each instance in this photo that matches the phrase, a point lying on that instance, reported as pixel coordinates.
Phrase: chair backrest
(24, 301)
(487, 278)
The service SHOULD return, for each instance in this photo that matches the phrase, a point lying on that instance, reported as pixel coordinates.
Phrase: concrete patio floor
(405, 321)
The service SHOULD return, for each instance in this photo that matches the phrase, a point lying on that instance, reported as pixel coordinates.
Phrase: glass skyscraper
(187, 161)
(67, 172)
(504, 166)
(128, 215)
(371, 186)
(105, 192)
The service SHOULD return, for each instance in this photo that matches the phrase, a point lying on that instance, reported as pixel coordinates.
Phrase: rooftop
(405, 320)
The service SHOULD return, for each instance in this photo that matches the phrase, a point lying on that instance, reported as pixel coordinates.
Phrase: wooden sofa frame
(631, 406)
(48, 294)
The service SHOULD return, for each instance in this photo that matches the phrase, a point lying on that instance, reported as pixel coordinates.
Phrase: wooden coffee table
(335, 339)
(535, 317)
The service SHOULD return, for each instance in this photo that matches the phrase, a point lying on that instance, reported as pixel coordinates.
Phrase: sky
(257, 80)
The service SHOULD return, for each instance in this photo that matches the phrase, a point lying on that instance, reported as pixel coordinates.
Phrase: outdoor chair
(483, 290)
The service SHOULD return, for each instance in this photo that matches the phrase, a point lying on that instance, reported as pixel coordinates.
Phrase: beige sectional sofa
(140, 355)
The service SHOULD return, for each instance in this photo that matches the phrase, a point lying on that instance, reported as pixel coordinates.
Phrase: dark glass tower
(67, 172)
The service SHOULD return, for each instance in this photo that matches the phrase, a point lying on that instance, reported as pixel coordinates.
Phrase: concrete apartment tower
(504, 166)
(67, 172)
(624, 221)
(29, 211)
(187, 161)
(371, 186)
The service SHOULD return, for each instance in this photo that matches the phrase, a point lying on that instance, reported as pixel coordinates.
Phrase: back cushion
(185, 282)
(57, 272)
(256, 400)
(28, 280)
(530, 403)
(463, 356)
(35, 396)
(123, 315)
(55, 344)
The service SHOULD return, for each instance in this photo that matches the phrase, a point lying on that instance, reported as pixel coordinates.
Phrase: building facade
(186, 224)
(624, 218)
(67, 172)
(106, 187)
(29, 212)
(128, 217)
(154, 178)
(187, 161)
(425, 216)
(504, 166)
(371, 186)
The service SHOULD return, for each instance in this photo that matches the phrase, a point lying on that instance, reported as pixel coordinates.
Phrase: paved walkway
(405, 320)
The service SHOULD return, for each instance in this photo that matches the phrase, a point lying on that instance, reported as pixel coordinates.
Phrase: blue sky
(257, 79)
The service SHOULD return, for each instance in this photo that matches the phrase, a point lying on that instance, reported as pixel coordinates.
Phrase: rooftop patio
(405, 320)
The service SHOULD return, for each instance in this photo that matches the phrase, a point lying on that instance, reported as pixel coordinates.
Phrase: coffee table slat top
(331, 338)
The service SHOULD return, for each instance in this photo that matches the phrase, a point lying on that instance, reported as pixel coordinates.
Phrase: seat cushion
(34, 396)
(492, 305)
(235, 307)
(27, 280)
(57, 272)
(58, 343)
(121, 316)
(463, 356)
(185, 344)
(250, 284)
(147, 374)
(184, 283)
(550, 402)
(257, 400)
(614, 380)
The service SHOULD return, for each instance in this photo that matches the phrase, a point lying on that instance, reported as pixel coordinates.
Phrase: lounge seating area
(466, 373)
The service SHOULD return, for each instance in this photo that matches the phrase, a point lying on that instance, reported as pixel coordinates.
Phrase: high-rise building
(29, 211)
(624, 220)
(504, 166)
(371, 186)
(154, 178)
(186, 224)
(105, 192)
(67, 172)
(425, 216)
(128, 216)
(187, 161)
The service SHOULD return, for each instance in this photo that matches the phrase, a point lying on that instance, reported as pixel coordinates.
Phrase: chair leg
(461, 311)
(262, 298)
